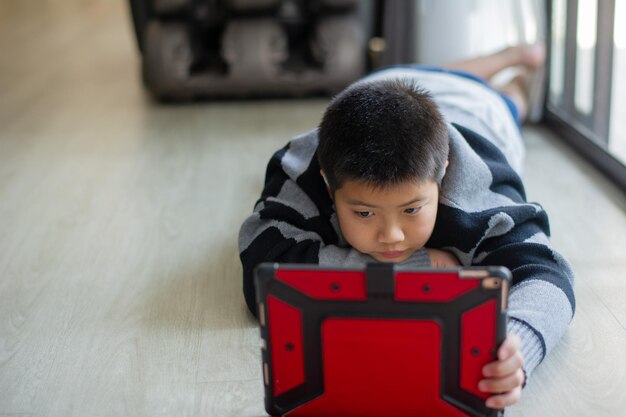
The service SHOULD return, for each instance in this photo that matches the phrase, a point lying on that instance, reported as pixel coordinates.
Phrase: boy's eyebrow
(362, 203)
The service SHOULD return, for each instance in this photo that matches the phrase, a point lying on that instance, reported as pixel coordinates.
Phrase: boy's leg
(528, 56)
(516, 91)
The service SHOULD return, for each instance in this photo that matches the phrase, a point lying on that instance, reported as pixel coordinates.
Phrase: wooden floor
(120, 284)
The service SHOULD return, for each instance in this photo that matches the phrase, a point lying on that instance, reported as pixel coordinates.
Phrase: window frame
(586, 134)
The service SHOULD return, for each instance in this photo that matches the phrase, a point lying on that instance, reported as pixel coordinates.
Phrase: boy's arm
(495, 225)
(541, 300)
(276, 232)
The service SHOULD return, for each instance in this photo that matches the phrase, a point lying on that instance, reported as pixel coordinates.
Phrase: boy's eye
(364, 214)
(412, 210)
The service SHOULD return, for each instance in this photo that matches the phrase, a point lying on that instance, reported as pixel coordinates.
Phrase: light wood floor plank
(586, 213)
(585, 374)
(120, 283)
(230, 399)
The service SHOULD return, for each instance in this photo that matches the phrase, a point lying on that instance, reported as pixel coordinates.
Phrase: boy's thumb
(510, 345)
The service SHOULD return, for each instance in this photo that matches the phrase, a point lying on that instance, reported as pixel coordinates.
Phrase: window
(587, 80)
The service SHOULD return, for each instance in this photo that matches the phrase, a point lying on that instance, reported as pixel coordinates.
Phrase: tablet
(378, 341)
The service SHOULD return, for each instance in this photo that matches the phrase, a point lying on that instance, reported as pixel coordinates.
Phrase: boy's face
(388, 224)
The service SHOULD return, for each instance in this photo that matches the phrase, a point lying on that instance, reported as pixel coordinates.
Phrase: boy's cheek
(355, 235)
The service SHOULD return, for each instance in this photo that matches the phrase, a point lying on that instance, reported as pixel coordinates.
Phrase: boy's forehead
(360, 192)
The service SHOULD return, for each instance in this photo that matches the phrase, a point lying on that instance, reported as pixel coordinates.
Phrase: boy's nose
(391, 234)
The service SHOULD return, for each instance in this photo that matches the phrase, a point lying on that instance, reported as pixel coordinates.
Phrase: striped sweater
(483, 219)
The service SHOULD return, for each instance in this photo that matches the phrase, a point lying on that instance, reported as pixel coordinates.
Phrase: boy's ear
(445, 169)
(326, 182)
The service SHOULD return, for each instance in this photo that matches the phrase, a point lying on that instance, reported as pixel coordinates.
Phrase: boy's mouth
(393, 254)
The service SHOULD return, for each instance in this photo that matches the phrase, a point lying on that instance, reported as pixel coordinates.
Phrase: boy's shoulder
(293, 177)
(296, 157)
(479, 177)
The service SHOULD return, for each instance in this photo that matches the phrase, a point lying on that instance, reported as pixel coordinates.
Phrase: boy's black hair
(382, 133)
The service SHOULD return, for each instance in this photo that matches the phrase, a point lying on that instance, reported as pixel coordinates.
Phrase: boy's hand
(442, 259)
(504, 376)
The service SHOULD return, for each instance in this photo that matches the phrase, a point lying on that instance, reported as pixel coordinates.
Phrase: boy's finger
(504, 384)
(511, 344)
(504, 367)
(504, 400)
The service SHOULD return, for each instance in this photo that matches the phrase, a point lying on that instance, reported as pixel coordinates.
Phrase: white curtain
(449, 30)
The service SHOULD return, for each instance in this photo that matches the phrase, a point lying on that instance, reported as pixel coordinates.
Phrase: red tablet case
(379, 341)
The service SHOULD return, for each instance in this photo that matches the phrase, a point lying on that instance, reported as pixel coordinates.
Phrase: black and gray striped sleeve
(484, 219)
